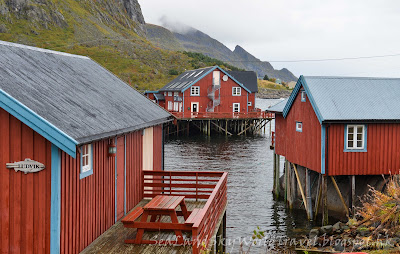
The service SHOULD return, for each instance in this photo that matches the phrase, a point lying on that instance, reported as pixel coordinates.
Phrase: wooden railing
(210, 186)
(223, 115)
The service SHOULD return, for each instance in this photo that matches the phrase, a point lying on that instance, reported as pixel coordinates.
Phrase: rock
(337, 228)
(314, 233)
(338, 246)
(3, 28)
(326, 229)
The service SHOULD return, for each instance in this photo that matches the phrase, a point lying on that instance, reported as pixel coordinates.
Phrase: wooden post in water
(177, 128)
(226, 127)
(318, 197)
(209, 128)
(188, 127)
(286, 181)
(325, 220)
(308, 193)
(276, 176)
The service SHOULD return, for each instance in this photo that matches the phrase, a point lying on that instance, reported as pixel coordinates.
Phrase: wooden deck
(112, 241)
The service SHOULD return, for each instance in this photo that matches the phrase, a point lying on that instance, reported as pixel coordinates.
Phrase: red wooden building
(339, 126)
(68, 113)
(210, 89)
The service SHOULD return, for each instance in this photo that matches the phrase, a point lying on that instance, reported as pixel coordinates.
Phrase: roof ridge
(344, 77)
(17, 45)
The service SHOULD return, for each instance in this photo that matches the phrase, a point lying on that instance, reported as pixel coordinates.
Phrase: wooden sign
(26, 166)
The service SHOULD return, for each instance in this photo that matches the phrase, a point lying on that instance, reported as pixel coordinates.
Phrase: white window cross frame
(236, 91)
(195, 91)
(86, 161)
(355, 138)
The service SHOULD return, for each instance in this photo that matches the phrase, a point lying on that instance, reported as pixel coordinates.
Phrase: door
(236, 107)
(195, 107)
(120, 177)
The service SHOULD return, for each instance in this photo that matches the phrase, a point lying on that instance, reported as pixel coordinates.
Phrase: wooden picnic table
(160, 206)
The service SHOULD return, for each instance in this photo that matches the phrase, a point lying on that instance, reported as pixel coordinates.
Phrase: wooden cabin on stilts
(334, 132)
(212, 100)
(82, 152)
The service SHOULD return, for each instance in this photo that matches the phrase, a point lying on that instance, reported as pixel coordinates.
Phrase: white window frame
(234, 105)
(86, 161)
(236, 91)
(176, 93)
(176, 106)
(355, 139)
(249, 104)
(170, 105)
(303, 96)
(169, 93)
(299, 126)
(195, 91)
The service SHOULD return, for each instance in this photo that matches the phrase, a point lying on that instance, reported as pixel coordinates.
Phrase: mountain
(196, 41)
(112, 32)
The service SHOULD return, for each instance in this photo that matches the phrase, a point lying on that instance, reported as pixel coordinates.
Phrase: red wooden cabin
(209, 90)
(93, 134)
(341, 125)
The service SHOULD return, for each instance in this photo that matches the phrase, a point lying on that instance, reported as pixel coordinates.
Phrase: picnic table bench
(159, 206)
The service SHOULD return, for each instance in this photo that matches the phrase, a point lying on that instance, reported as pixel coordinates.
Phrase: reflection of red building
(210, 89)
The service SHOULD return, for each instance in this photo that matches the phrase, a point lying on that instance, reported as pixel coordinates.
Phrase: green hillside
(110, 32)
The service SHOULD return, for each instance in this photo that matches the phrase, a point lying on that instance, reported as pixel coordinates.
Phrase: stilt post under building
(308, 193)
(325, 219)
(276, 175)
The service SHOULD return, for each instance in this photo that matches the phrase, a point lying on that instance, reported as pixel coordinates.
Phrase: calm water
(249, 163)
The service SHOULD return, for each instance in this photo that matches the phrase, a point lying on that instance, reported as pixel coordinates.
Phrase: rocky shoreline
(265, 93)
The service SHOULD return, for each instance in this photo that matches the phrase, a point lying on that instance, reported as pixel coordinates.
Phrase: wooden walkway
(112, 241)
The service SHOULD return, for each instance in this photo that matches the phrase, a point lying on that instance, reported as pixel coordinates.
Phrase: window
(195, 91)
(169, 93)
(165, 93)
(86, 161)
(176, 93)
(170, 105)
(176, 106)
(299, 126)
(236, 107)
(303, 96)
(249, 103)
(355, 137)
(236, 91)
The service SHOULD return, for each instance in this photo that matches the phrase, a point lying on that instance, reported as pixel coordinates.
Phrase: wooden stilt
(301, 191)
(286, 182)
(276, 175)
(325, 219)
(340, 195)
(270, 128)
(290, 185)
(353, 193)
(245, 126)
(220, 128)
(318, 197)
(177, 128)
(219, 244)
(226, 127)
(209, 128)
(188, 128)
(308, 195)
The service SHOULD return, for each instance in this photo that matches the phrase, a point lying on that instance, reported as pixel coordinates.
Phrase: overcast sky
(297, 30)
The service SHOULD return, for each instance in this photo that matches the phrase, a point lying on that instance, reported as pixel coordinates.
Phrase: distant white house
(278, 81)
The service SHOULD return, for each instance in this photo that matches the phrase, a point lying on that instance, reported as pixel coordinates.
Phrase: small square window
(355, 138)
(249, 103)
(165, 93)
(176, 93)
(299, 126)
(195, 91)
(236, 91)
(169, 93)
(86, 161)
(303, 95)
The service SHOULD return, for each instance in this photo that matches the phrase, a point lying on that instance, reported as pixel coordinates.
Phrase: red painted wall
(226, 95)
(382, 156)
(24, 198)
(303, 148)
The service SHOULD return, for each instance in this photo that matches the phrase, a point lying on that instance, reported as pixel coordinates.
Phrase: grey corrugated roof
(74, 93)
(159, 96)
(185, 79)
(247, 78)
(278, 107)
(352, 98)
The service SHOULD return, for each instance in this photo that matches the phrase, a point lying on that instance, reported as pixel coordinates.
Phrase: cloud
(174, 25)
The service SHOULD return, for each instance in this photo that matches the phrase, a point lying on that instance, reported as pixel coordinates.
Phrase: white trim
(249, 104)
(195, 103)
(195, 91)
(299, 126)
(236, 91)
(355, 139)
(303, 96)
(86, 158)
(234, 105)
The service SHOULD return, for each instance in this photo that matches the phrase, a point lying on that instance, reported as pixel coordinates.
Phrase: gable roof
(72, 94)
(191, 77)
(247, 78)
(350, 98)
(278, 108)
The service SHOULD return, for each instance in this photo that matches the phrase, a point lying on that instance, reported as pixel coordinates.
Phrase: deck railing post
(197, 182)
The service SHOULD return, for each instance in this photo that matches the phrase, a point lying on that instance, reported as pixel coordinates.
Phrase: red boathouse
(76, 144)
(340, 126)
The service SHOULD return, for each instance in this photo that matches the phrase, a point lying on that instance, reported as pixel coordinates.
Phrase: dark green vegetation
(110, 32)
